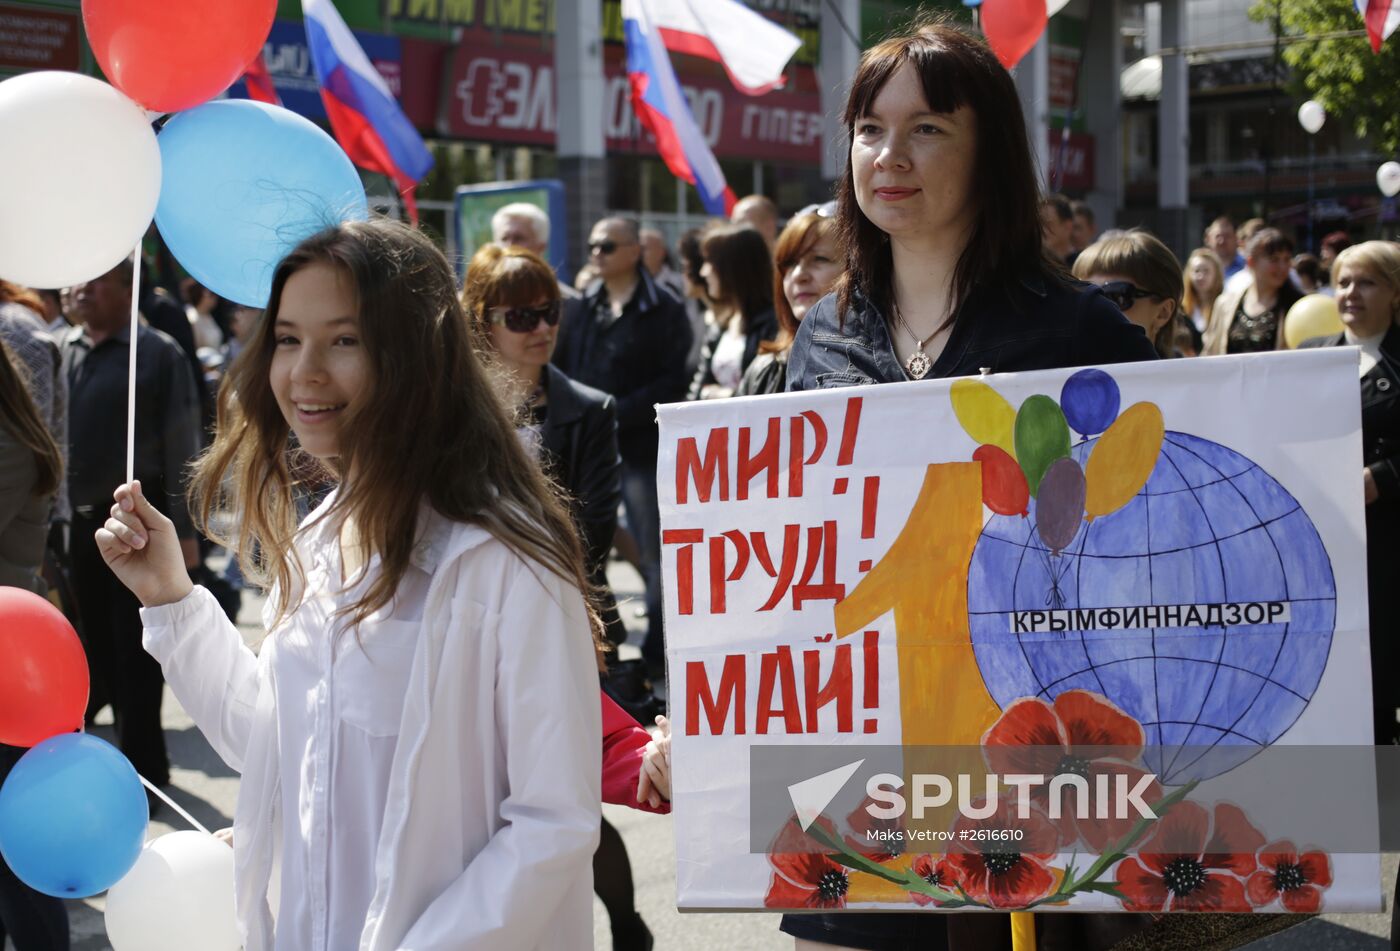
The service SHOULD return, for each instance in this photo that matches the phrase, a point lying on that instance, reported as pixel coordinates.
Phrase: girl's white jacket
(494, 801)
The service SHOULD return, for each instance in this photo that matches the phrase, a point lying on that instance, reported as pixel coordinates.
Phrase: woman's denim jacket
(1037, 324)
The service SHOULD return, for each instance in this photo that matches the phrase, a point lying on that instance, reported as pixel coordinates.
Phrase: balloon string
(171, 803)
(131, 367)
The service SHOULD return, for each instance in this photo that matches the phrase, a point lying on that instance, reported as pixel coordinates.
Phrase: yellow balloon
(1123, 459)
(1312, 316)
(985, 414)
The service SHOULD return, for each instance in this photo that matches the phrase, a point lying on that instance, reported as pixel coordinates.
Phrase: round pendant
(919, 365)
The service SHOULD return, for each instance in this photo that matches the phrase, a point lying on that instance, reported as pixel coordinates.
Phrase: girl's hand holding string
(139, 544)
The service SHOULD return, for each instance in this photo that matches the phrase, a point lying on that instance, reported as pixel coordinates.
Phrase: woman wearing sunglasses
(1143, 278)
(938, 212)
(512, 301)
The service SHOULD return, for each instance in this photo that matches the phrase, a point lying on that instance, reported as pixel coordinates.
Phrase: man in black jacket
(95, 361)
(629, 337)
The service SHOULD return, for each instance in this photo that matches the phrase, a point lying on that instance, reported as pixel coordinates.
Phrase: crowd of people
(396, 457)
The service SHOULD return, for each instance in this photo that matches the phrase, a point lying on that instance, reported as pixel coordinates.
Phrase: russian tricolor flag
(1382, 17)
(259, 82)
(752, 49)
(365, 117)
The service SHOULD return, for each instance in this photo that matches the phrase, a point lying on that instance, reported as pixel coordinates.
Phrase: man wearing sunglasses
(629, 337)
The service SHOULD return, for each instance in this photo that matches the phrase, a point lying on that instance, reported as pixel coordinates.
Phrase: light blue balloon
(242, 184)
(73, 816)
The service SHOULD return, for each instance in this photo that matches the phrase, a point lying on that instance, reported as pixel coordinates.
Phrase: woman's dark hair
(1309, 267)
(191, 291)
(955, 68)
(692, 258)
(1266, 242)
(740, 257)
(20, 416)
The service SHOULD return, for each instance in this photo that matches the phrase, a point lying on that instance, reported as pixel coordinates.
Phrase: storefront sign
(508, 95)
(34, 38)
(1071, 162)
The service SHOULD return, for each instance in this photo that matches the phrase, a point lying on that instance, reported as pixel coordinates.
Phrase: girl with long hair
(418, 735)
(1203, 280)
(738, 274)
(946, 276)
(30, 471)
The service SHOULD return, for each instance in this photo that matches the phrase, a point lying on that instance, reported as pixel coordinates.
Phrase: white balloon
(79, 178)
(1388, 178)
(1053, 7)
(178, 896)
(1311, 116)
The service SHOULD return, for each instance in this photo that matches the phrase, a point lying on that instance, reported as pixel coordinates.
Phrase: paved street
(207, 788)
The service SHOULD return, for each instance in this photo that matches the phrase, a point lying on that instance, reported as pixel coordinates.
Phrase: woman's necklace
(919, 363)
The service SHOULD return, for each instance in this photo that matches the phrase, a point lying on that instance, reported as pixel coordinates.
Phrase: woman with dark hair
(738, 273)
(808, 262)
(697, 302)
(946, 276)
(30, 472)
(1249, 319)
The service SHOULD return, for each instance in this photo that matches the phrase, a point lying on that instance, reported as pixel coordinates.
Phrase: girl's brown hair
(1145, 261)
(499, 276)
(1190, 300)
(799, 237)
(740, 257)
(955, 68)
(21, 417)
(432, 429)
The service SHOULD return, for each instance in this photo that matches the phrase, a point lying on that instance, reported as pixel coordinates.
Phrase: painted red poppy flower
(938, 872)
(877, 839)
(1296, 879)
(1000, 860)
(1192, 862)
(805, 875)
(1083, 734)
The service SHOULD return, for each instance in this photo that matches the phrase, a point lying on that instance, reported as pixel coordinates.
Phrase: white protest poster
(1129, 584)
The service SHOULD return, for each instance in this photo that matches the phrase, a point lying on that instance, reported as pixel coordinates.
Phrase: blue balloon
(242, 184)
(73, 816)
(1090, 402)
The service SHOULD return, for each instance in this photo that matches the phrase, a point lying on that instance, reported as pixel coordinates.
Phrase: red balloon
(1004, 488)
(170, 55)
(44, 674)
(1012, 27)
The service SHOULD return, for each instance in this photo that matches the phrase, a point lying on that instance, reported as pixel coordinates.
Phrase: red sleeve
(623, 744)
